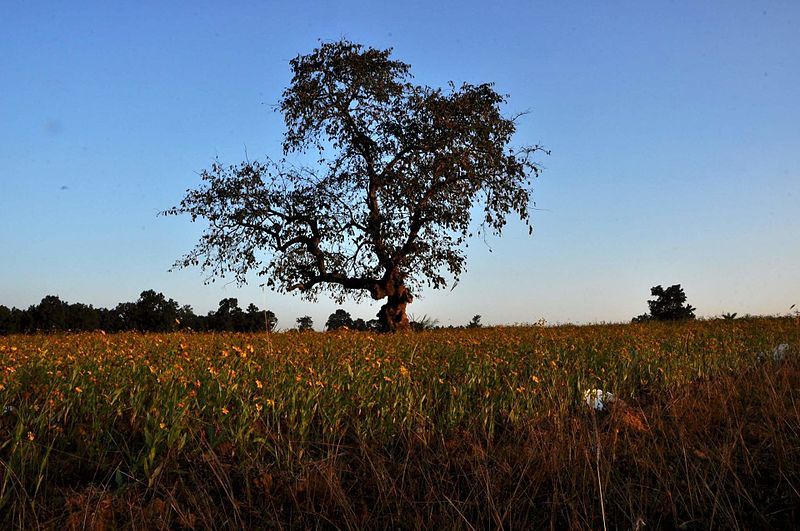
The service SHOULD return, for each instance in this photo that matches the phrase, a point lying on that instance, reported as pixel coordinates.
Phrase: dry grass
(452, 429)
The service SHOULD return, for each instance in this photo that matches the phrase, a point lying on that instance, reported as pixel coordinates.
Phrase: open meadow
(456, 428)
(256, 171)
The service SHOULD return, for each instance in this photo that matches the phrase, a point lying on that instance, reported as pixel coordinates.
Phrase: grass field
(456, 429)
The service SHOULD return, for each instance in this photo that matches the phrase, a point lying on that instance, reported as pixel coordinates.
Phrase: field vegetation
(471, 428)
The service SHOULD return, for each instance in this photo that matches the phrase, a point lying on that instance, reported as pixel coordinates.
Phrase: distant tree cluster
(341, 319)
(669, 305)
(152, 312)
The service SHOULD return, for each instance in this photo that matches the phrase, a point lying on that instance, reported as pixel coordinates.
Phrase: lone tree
(305, 323)
(475, 323)
(340, 319)
(669, 305)
(388, 208)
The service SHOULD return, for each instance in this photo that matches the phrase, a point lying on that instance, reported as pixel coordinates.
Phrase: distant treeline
(153, 312)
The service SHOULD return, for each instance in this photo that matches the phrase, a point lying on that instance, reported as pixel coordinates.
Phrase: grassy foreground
(456, 429)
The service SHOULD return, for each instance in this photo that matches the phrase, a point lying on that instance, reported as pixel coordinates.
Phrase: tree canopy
(669, 305)
(340, 319)
(305, 323)
(388, 208)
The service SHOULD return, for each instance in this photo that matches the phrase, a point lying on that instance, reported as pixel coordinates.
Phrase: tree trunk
(392, 317)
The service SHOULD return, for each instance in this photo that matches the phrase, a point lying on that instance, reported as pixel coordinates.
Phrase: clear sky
(674, 129)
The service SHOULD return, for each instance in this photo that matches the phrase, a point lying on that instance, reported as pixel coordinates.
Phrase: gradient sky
(674, 130)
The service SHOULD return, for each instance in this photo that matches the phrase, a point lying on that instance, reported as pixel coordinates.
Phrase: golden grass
(464, 428)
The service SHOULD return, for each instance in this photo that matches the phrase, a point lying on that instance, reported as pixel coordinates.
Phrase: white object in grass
(779, 354)
(598, 399)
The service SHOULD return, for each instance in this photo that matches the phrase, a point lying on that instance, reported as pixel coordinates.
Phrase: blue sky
(673, 128)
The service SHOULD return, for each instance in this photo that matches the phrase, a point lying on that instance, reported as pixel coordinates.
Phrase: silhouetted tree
(188, 319)
(153, 312)
(389, 209)
(423, 323)
(669, 305)
(122, 317)
(258, 320)
(83, 317)
(7, 324)
(475, 323)
(49, 314)
(228, 316)
(305, 323)
(373, 325)
(271, 321)
(339, 319)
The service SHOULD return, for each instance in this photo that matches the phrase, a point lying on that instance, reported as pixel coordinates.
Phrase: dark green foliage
(187, 318)
(152, 312)
(228, 316)
(305, 323)
(423, 323)
(83, 317)
(340, 319)
(669, 305)
(475, 322)
(7, 324)
(388, 210)
(260, 320)
(51, 313)
(372, 325)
